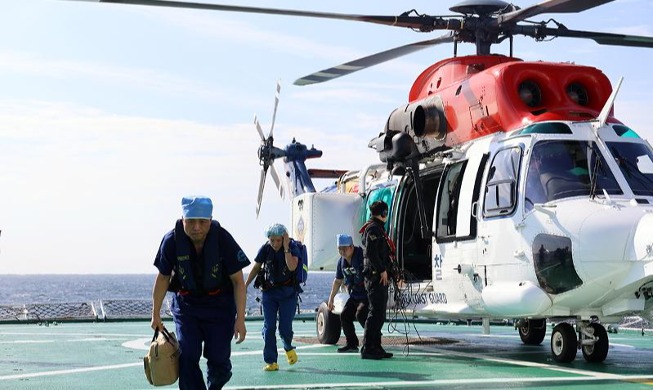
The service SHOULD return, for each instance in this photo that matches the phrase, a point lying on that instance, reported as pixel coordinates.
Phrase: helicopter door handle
(474, 209)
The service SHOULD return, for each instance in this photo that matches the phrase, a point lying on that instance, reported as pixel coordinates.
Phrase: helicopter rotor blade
(420, 22)
(258, 128)
(261, 185)
(276, 104)
(599, 37)
(277, 181)
(374, 59)
(550, 7)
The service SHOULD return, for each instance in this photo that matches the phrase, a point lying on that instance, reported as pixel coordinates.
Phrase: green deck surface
(109, 356)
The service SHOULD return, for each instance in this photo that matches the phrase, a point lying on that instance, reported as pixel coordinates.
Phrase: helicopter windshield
(561, 169)
(636, 164)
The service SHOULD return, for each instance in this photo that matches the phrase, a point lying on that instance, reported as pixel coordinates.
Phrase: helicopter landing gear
(590, 337)
(594, 342)
(532, 332)
(563, 343)
(327, 325)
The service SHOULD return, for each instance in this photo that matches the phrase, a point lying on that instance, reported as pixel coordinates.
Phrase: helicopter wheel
(564, 343)
(597, 352)
(532, 332)
(327, 325)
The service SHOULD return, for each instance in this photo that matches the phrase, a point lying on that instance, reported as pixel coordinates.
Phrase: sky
(110, 114)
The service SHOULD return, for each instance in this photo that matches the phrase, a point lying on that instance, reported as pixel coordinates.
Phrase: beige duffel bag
(162, 361)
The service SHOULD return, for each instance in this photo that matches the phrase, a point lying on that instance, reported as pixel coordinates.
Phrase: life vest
(199, 279)
(391, 245)
(353, 276)
(275, 274)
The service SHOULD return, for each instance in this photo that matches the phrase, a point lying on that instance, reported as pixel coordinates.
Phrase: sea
(46, 289)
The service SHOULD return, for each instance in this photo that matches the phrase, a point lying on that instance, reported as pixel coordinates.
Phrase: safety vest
(207, 270)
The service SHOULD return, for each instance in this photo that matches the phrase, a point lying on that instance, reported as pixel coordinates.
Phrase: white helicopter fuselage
(585, 254)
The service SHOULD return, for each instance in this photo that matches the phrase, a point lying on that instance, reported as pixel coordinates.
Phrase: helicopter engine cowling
(411, 131)
(423, 118)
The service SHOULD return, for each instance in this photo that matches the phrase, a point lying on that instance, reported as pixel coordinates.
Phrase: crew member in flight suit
(277, 259)
(350, 272)
(208, 306)
(376, 270)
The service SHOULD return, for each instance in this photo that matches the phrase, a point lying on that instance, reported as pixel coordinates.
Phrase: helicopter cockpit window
(554, 265)
(501, 187)
(562, 169)
(546, 128)
(624, 131)
(636, 164)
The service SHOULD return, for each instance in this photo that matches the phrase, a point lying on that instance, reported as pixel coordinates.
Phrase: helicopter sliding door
(457, 200)
(414, 251)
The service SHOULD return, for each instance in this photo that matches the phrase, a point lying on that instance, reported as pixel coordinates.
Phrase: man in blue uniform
(277, 259)
(349, 271)
(377, 252)
(202, 263)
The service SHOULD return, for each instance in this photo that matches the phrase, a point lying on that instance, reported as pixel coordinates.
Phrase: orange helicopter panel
(481, 95)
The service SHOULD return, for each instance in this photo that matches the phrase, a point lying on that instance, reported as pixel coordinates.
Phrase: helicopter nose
(615, 248)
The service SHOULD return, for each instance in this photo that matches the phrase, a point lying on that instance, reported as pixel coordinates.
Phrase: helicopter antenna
(605, 112)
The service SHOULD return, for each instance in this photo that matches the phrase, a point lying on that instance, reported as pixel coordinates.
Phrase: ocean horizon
(27, 289)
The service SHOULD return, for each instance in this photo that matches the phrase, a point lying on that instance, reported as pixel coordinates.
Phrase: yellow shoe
(271, 367)
(291, 356)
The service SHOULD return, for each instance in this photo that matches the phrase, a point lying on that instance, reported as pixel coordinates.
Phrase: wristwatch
(286, 250)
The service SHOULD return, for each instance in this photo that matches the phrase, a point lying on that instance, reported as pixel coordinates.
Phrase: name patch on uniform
(183, 258)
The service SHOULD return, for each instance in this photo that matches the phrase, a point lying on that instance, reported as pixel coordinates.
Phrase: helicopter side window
(636, 164)
(449, 199)
(554, 264)
(501, 187)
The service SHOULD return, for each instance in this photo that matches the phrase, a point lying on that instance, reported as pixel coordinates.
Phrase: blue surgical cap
(196, 207)
(276, 230)
(344, 240)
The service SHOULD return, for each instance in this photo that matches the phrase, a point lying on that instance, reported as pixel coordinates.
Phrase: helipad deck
(109, 356)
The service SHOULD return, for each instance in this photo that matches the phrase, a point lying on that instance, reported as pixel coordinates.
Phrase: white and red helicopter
(515, 192)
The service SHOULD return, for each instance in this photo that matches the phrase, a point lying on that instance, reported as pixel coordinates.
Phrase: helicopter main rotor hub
(480, 7)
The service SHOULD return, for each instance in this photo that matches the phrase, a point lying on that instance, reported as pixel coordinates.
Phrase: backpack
(302, 264)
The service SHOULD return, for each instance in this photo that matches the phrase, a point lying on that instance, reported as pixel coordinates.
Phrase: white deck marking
(71, 371)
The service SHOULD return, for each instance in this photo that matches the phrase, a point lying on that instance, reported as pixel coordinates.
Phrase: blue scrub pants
(278, 302)
(213, 326)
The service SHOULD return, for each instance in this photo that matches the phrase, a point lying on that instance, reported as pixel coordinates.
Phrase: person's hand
(240, 331)
(330, 304)
(384, 278)
(286, 241)
(156, 322)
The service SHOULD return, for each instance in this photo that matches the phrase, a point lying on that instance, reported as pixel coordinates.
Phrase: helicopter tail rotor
(267, 153)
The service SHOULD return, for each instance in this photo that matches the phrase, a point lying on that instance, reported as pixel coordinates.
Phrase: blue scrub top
(353, 274)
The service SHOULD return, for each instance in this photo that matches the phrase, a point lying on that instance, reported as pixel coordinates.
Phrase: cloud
(102, 73)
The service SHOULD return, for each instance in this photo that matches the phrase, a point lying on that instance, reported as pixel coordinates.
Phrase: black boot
(386, 355)
(371, 353)
(348, 348)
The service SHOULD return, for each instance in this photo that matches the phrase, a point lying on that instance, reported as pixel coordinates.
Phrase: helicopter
(514, 191)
